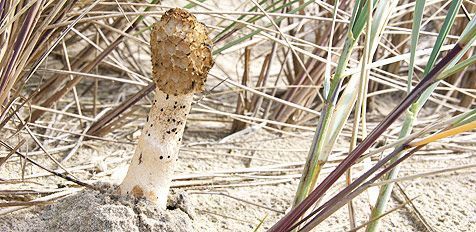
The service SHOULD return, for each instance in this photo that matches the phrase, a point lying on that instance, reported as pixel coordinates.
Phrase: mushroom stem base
(152, 167)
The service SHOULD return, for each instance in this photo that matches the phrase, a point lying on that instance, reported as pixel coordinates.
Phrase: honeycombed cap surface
(181, 53)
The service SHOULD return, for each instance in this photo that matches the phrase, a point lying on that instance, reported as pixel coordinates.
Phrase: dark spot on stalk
(193, 84)
(180, 139)
(168, 132)
(149, 134)
(175, 103)
(175, 107)
(173, 119)
(155, 101)
(167, 97)
(140, 158)
(147, 119)
(168, 120)
(175, 129)
(168, 157)
(162, 109)
(161, 157)
(137, 191)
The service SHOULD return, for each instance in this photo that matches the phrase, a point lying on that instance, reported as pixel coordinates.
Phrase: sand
(92, 210)
(446, 201)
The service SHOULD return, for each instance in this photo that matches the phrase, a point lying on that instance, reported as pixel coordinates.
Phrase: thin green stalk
(313, 163)
(412, 112)
(417, 17)
(458, 68)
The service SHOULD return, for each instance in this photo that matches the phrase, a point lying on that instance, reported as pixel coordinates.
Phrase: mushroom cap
(181, 53)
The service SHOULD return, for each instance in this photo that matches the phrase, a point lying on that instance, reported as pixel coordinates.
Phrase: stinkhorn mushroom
(181, 59)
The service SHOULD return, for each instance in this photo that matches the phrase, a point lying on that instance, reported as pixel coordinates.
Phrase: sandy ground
(93, 210)
(232, 186)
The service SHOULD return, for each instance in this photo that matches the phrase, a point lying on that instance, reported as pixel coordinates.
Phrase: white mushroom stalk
(181, 59)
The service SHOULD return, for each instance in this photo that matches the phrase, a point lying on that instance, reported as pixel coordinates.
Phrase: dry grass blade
(68, 178)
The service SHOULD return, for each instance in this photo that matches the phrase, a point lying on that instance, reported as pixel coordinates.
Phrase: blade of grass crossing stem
(287, 221)
(319, 150)
(410, 117)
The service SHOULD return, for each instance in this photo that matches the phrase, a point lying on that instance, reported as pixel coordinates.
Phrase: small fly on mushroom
(181, 59)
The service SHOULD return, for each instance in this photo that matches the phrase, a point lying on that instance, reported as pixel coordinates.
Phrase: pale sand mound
(91, 210)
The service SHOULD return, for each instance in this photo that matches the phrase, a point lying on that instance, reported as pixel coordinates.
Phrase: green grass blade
(317, 154)
(412, 113)
(445, 29)
(261, 222)
(458, 68)
(417, 17)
